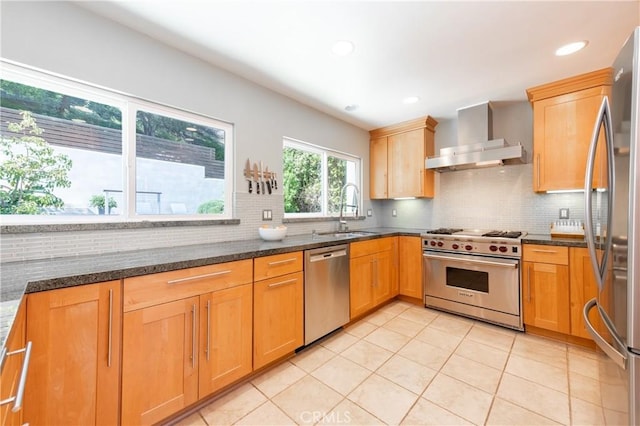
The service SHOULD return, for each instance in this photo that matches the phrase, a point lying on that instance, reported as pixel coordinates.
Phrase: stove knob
(503, 249)
(455, 246)
(468, 247)
(433, 243)
(440, 243)
(493, 248)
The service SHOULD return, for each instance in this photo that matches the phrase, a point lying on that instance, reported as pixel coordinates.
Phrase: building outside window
(314, 178)
(65, 145)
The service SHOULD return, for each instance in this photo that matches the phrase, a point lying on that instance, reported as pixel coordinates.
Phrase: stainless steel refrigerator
(612, 231)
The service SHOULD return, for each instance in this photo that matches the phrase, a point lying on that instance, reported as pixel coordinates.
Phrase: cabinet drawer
(545, 254)
(149, 290)
(276, 265)
(363, 248)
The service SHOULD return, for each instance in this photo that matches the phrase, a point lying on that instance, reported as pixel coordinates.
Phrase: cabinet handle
(193, 336)
(17, 399)
(544, 251)
(110, 326)
(208, 328)
(280, 262)
(278, 284)
(529, 284)
(198, 277)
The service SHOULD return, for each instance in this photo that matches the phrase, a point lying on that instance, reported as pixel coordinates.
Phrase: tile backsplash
(497, 198)
(491, 198)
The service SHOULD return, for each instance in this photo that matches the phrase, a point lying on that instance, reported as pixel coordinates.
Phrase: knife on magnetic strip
(247, 174)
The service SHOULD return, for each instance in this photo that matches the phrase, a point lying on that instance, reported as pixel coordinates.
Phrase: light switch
(267, 215)
(394, 213)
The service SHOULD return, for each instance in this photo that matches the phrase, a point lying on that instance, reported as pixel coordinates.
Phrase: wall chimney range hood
(476, 147)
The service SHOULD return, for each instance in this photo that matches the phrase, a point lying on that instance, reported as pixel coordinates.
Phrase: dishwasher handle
(328, 255)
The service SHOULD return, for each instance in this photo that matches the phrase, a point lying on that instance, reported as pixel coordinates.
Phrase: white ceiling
(451, 54)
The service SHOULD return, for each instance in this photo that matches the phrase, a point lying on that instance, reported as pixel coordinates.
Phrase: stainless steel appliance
(613, 238)
(474, 273)
(326, 291)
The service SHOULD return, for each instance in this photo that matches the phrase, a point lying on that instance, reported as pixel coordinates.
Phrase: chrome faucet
(342, 223)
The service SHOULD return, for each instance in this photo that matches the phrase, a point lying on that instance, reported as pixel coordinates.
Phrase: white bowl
(272, 234)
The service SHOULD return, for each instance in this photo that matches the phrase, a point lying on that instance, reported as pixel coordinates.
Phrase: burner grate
(503, 234)
(444, 231)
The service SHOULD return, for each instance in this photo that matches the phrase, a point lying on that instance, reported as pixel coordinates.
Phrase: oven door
(482, 281)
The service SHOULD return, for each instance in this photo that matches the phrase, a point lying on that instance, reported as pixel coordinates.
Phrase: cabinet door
(225, 337)
(383, 278)
(378, 168)
(406, 153)
(562, 133)
(74, 372)
(546, 296)
(583, 288)
(361, 273)
(13, 367)
(278, 318)
(159, 361)
(410, 266)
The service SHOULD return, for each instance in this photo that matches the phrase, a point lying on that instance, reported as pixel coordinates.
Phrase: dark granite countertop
(548, 240)
(18, 278)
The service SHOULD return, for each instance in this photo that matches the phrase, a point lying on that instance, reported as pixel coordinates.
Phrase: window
(315, 179)
(64, 150)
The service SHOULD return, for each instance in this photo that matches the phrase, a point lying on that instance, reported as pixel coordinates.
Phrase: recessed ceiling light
(410, 100)
(570, 48)
(342, 47)
(352, 107)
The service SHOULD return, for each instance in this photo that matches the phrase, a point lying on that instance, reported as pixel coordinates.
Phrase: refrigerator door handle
(604, 118)
(618, 358)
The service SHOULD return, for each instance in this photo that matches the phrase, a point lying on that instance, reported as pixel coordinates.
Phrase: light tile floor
(414, 366)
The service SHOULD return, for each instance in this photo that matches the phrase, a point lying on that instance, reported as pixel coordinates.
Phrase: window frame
(288, 142)
(129, 106)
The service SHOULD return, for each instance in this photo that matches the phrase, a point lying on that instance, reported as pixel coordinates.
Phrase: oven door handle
(470, 260)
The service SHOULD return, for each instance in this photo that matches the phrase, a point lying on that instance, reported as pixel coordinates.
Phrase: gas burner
(444, 231)
(503, 234)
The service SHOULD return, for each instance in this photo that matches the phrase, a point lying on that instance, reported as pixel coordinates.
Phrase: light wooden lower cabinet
(12, 368)
(372, 274)
(583, 287)
(278, 317)
(410, 266)
(74, 373)
(175, 353)
(545, 287)
(226, 337)
(159, 361)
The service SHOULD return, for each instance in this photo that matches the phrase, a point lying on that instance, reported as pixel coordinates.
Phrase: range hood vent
(476, 147)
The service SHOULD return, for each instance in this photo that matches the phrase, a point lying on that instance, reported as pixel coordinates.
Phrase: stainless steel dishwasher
(326, 291)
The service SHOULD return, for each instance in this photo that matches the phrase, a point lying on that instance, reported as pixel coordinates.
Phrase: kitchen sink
(346, 234)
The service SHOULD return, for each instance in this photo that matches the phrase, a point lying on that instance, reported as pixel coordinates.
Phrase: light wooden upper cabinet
(74, 373)
(378, 168)
(564, 115)
(397, 154)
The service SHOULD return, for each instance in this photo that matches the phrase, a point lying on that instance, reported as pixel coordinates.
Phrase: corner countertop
(18, 278)
(548, 240)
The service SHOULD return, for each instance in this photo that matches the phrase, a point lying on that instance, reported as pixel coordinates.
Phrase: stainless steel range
(474, 273)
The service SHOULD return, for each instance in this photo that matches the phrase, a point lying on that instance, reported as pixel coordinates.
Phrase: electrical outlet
(564, 213)
(267, 215)
(394, 213)
(369, 212)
